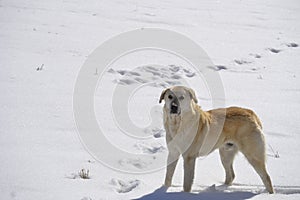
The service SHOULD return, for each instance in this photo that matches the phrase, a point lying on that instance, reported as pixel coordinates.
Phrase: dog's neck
(174, 122)
(182, 129)
(189, 118)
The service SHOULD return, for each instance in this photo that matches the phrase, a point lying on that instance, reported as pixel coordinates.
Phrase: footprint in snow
(189, 73)
(172, 83)
(175, 77)
(126, 72)
(135, 163)
(156, 76)
(174, 68)
(126, 82)
(86, 198)
(218, 67)
(292, 44)
(156, 73)
(150, 148)
(124, 186)
(140, 80)
(255, 55)
(273, 50)
(156, 132)
(242, 62)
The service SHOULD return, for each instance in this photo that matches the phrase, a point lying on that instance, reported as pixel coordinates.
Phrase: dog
(192, 132)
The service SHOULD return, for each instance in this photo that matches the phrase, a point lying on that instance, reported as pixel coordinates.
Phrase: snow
(254, 45)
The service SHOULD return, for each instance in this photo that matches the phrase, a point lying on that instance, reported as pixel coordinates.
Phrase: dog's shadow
(161, 193)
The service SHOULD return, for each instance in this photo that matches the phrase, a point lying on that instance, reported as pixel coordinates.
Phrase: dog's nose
(174, 108)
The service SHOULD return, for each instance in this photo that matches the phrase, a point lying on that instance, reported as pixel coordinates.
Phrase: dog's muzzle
(174, 108)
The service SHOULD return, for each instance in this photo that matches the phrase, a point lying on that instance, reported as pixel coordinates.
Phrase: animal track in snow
(150, 148)
(156, 132)
(241, 62)
(127, 72)
(292, 44)
(140, 80)
(126, 82)
(174, 68)
(189, 73)
(135, 163)
(273, 50)
(124, 186)
(255, 55)
(86, 198)
(218, 67)
(156, 76)
(277, 50)
(176, 76)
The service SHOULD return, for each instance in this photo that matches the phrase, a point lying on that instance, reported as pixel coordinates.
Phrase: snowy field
(253, 44)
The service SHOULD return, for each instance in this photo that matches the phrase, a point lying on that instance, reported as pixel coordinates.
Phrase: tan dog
(192, 132)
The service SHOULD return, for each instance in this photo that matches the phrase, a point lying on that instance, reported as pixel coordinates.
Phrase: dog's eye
(181, 98)
(170, 97)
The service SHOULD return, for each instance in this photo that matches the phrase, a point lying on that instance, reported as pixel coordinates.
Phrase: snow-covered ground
(254, 45)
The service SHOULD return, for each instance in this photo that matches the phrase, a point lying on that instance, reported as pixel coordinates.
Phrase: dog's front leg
(189, 170)
(173, 157)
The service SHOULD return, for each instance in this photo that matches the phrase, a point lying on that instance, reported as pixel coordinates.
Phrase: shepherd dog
(192, 132)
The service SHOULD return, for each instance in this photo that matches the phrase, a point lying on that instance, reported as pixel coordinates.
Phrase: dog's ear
(162, 96)
(192, 94)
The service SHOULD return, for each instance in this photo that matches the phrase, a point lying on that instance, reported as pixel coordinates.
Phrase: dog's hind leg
(260, 168)
(227, 154)
(255, 154)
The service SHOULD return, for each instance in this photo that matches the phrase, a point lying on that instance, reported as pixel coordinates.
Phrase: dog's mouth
(174, 109)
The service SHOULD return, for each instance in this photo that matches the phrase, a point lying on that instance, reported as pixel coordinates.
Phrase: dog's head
(178, 99)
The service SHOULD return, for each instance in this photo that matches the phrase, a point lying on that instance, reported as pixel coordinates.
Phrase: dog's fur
(192, 132)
